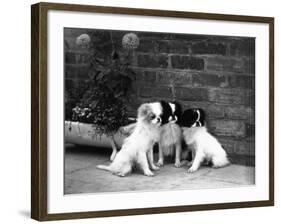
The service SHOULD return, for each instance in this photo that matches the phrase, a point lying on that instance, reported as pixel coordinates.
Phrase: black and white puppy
(204, 146)
(170, 143)
(194, 117)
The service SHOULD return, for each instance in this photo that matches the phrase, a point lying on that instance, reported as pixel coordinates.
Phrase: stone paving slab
(82, 176)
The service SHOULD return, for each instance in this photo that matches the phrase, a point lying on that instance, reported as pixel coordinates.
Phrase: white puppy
(137, 149)
(203, 145)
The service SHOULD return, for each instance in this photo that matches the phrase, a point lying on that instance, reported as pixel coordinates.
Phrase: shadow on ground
(82, 176)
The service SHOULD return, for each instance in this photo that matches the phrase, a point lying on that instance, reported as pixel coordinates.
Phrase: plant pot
(84, 134)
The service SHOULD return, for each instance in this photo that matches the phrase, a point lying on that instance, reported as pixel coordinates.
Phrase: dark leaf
(115, 55)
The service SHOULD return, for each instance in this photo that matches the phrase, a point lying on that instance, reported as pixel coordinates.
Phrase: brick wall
(216, 73)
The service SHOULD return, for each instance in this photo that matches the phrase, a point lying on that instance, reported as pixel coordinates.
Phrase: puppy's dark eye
(152, 116)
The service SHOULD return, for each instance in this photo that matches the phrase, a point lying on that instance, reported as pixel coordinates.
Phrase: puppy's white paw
(191, 169)
(185, 163)
(121, 174)
(155, 168)
(160, 163)
(148, 173)
(112, 157)
(178, 164)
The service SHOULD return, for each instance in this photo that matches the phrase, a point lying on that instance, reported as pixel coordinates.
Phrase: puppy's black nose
(158, 120)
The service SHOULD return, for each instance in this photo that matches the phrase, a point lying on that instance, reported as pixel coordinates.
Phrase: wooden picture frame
(39, 109)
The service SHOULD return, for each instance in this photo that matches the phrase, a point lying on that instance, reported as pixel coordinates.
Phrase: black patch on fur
(178, 112)
(190, 117)
(166, 112)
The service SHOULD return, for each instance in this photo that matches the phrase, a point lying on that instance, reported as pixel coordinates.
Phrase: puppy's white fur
(170, 141)
(205, 147)
(137, 149)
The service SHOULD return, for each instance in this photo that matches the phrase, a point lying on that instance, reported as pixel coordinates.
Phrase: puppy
(203, 145)
(170, 143)
(194, 117)
(137, 149)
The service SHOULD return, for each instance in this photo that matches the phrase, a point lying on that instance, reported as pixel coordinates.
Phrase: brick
(241, 81)
(70, 42)
(250, 130)
(69, 83)
(209, 48)
(187, 62)
(172, 36)
(230, 96)
(215, 111)
(77, 58)
(82, 72)
(204, 79)
(228, 144)
(164, 77)
(239, 112)
(245, 148)
(243, 47)
(177, 78)
(101, 36)
(162, 92)
(244, 160)
(148, 46)
(69, 58)
(252, 148)
(152, 35)
(252, 99)
(139, 77)
(76, 71)
(188, 37)
(174, 46)
(237, 147)
(133, 103)
(227, 128)
(104, 49)
(149, 77)
(191, 94)
(212, 110)
(118, 34)
(225, 64)
(82, 58)
(182, 78)
(249, 66)
(152, 61)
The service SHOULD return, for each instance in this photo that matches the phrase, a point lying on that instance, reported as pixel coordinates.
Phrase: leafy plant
(104, 100)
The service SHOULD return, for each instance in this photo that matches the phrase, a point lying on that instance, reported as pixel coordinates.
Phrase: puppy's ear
(202, 116)
(144, 110)
(178, 108)
(177, 112)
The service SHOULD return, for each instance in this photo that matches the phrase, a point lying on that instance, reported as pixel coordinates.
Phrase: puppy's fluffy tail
(220, 162)
(103, 167)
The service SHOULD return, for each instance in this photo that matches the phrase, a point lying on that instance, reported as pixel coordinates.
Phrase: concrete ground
(82, 176)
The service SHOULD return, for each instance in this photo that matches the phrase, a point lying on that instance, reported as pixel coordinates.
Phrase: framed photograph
(139, 111)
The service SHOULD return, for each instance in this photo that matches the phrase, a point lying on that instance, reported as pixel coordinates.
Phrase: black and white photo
(138, 111)
(178, 108)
